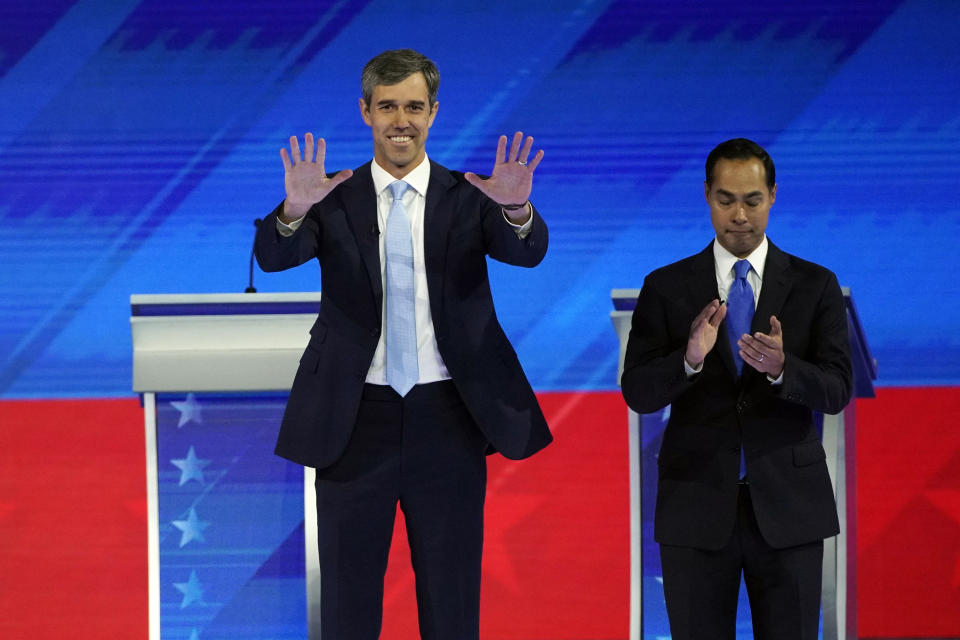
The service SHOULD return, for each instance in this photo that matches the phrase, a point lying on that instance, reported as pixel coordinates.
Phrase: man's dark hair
(395, 66)
(741, 149)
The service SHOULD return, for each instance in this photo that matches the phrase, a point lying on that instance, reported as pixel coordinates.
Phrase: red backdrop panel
(73, 522)
(908, 505)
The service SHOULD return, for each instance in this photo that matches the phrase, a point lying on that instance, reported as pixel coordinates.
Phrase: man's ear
(365, 112)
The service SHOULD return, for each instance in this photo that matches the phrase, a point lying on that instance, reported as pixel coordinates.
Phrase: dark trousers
(783, 585)
(425, 453)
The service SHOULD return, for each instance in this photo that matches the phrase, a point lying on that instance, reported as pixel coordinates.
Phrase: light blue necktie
(401, 340)
(739, 316)
(739, 310)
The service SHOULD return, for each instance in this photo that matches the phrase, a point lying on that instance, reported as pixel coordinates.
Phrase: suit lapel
(703, 289)
(774, 289)
(360, 201)
(437, 218)
(703, 278)
(773, 292)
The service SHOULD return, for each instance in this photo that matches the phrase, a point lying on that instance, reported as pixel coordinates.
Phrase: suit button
(374, 332)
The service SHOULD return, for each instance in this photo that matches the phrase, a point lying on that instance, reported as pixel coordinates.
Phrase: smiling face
(740, 204)
(399, 116)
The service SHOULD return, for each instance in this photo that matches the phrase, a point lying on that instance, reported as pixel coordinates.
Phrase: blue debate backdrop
(139, 140)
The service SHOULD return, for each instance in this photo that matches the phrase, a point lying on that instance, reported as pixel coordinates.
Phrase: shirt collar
(725, 260)
(418, 178)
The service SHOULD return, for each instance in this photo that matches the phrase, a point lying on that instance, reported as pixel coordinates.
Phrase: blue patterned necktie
(739, 310)
(401, 339)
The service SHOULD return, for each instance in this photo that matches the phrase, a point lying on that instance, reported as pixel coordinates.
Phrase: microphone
(250, 288)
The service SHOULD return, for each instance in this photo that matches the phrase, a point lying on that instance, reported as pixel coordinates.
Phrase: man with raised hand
(408, 380)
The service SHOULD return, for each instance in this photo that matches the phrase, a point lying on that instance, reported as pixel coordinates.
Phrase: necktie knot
(741, 268)
(398, 188)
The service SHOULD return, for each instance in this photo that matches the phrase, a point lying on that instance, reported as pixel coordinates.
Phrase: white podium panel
(231, 526)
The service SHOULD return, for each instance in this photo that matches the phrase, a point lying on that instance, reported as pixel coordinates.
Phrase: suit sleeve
(653, 371)
(275, 252)
(504, 245)
(822, 379)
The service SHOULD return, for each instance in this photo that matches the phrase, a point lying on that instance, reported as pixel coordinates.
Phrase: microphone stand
(250, 288)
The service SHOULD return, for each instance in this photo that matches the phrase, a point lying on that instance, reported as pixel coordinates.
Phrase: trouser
(783, 585)
(425, 453)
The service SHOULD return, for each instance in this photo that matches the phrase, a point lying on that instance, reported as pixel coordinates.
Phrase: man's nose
(740, 213)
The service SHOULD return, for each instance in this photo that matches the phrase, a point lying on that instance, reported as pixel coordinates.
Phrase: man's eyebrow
(410, 103)
(730, 194)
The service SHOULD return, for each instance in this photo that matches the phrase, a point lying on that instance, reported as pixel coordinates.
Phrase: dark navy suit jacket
(461, 228)
(714, 413)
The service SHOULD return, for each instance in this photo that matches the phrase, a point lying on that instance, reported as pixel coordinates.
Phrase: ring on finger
(522, 163)
(762, 356)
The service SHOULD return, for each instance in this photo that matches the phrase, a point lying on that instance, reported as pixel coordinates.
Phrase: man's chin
(741, 248)
(402, 160)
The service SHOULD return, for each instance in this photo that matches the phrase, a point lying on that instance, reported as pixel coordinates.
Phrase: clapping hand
(764, 351)
(703, 332)
(304, 178)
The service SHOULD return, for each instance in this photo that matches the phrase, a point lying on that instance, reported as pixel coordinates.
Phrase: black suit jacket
(714, 412)
(461, 228)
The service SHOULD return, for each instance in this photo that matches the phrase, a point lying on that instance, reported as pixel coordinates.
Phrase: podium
(839, 600)
(231, 527)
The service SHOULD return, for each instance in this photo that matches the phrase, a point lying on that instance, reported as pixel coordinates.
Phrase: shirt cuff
(775, 381)
(690, 370)
(522, 230)
(287, 230)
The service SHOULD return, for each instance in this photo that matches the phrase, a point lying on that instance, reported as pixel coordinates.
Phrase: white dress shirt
(429, 360)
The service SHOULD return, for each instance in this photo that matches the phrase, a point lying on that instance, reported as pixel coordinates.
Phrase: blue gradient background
(139, 140)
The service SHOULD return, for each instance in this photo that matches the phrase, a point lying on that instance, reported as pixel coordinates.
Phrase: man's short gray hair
(395, 66)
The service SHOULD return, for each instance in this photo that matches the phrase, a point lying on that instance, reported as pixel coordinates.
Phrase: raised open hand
(511, 181)
(304, 178)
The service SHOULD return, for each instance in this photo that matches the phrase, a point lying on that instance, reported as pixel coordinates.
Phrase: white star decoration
(192, 528)
(191, 591)
(191, 467)
(189, 410)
